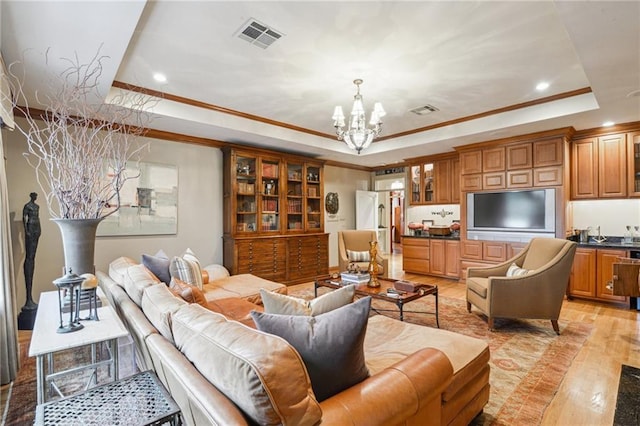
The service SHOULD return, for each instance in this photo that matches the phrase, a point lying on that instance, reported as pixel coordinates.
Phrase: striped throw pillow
(187, 268)
(515, 271)
(358, 256)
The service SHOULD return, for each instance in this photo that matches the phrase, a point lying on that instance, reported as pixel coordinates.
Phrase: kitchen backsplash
(611, 215)
(441, 214)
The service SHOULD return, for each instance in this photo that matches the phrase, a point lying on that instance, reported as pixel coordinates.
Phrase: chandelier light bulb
(358, 136)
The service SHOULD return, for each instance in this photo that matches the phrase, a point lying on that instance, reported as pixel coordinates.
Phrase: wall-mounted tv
(518, 214)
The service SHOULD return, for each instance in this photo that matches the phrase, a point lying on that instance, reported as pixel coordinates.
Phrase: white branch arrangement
(78, 145)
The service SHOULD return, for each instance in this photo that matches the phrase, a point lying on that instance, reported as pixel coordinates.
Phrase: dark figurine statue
(32, 231)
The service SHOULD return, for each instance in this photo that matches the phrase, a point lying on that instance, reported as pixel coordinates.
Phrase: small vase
(79, 241)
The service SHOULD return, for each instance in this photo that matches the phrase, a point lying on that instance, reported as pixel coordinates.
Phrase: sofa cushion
(244, 286)
(516, 271)
(235, 309)
(158, 304)
(190, 293)
(159, 265)
(118, 269)
(358, 256)
(137, 278)
(239, 361)
(330, 344)
(187, 268)
(389, 341)
(275, 303)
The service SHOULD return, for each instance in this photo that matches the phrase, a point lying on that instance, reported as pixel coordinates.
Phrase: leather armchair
(538, 294)
(358, 240)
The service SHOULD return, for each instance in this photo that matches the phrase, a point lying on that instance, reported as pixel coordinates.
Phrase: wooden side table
(140, 399)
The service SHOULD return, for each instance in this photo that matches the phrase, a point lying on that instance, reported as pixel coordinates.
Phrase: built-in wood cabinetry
(606, 166)
(435, 180)
(592, 272)
(273, 216)
(515, 165)
(431, 256)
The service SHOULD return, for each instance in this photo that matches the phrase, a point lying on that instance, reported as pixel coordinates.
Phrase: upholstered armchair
(357, 241)
(531, 285)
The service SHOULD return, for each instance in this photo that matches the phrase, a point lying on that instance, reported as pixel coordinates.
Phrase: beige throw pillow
(515, 271)
(275, 303)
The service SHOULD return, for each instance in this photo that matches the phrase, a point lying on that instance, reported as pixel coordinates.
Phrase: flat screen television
(525, 213)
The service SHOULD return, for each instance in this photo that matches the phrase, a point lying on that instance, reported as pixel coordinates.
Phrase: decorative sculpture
(32, 231)
(373, 265)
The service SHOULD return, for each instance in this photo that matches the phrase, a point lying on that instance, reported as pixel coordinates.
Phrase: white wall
(199, 213)
(611, 215)
(345, 182)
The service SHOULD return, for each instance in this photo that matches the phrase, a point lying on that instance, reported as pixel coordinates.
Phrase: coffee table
(380, 293)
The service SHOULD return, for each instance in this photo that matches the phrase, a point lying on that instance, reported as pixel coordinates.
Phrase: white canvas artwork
(149, 202)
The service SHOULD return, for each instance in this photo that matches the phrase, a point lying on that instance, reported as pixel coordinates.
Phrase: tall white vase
(79, 241)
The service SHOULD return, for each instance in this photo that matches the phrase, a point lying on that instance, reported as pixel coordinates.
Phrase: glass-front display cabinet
(295, 199)
(422, 184)
(314, 202)
(270, 195)
(246, 202)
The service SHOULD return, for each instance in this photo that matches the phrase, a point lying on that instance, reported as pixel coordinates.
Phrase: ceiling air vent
(424, 110)
(258, 34)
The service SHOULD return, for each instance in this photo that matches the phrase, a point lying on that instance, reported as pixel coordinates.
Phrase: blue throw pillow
(158, 265)
(330, 344)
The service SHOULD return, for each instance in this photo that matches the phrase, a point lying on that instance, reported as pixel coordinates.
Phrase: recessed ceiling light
(160, 78)
(543, 85)
(608, 124)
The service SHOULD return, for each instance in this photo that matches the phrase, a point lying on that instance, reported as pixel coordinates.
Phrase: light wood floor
(587, 395)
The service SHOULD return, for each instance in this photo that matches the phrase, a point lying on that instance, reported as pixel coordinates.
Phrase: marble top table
(45, 341)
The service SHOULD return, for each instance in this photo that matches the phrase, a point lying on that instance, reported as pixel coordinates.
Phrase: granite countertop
(610, 242)
(454, 237)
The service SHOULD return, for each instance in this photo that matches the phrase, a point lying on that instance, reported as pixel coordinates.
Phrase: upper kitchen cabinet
(435, 181)
(599, 167)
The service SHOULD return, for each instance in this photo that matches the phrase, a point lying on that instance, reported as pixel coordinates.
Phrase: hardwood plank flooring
(587, 395)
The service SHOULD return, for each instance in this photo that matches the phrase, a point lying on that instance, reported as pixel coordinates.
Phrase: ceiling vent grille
(424, 110)
(258, 34)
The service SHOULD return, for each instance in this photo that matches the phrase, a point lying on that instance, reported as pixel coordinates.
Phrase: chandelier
(358, 136)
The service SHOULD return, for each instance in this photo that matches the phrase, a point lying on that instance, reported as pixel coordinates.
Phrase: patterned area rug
(528, 360)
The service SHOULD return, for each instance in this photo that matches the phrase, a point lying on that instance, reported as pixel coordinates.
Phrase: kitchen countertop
(610, 242)
(434, 237)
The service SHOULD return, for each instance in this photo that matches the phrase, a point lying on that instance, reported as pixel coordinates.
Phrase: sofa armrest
(409, 389)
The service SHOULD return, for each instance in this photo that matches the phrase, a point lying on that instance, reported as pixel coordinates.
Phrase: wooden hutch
(274, 216)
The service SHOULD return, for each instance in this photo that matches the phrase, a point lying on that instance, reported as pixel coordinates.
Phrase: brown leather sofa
(419, 375)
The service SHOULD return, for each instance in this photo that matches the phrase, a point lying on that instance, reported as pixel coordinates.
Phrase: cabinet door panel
(437, 257)
(605, 261)
(547, 153)
(493, 180)
(471, 182)
(494, 252)
(471, 250)
(584, 169)
(519, 179)
(493, 160)
(452, 256)
(471, 162)
(442, 172)
(547, 176)
(519, 156)
(612, 171)
(582, 281)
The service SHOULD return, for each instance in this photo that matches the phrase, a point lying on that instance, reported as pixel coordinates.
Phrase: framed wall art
(149, 202)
